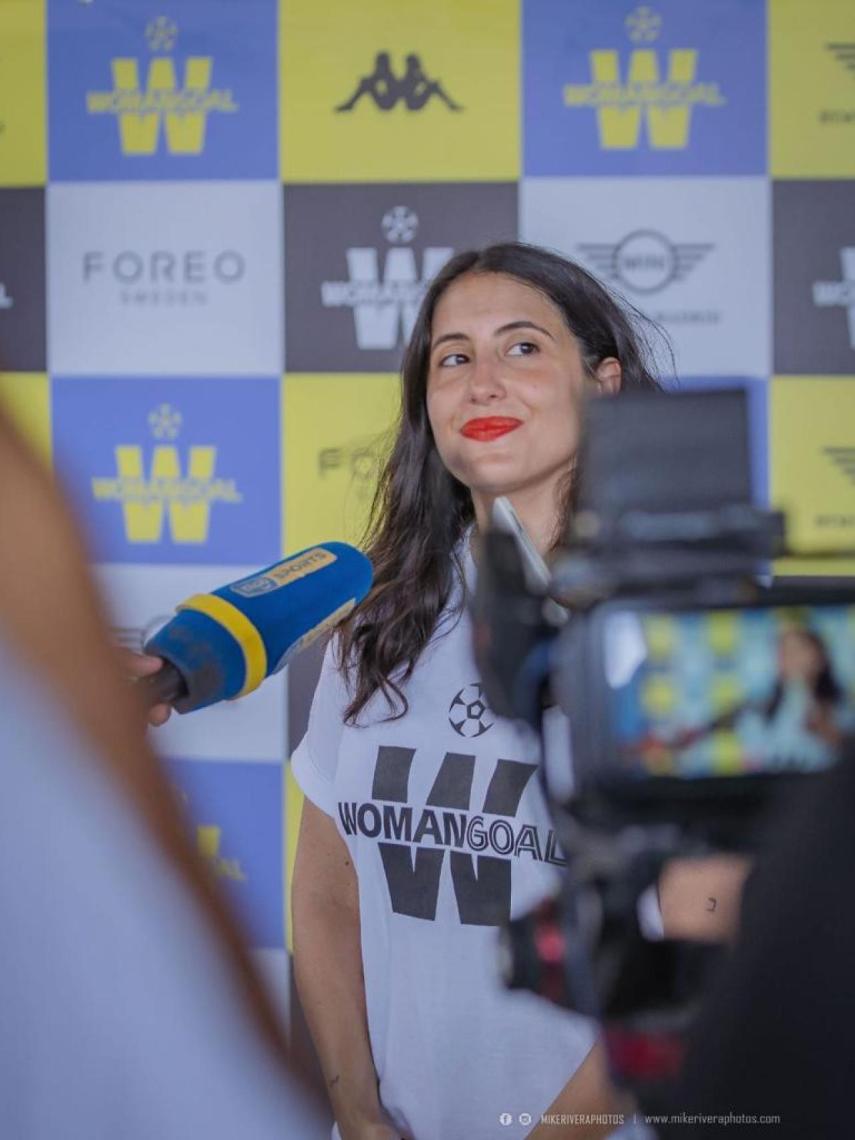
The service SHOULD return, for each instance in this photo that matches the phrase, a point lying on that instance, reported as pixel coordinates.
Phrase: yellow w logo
(666, 107)
(183, 110)
(146, 500)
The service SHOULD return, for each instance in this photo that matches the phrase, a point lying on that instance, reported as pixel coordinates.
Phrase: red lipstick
(490, 427)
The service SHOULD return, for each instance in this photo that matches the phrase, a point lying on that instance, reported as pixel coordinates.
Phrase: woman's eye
(452, 360)
(522, 348)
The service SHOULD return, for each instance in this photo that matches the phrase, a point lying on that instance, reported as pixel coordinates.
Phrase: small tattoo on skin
(335, 1080)
(711, 904)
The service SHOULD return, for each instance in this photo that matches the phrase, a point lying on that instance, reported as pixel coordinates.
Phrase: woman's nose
(485, 380)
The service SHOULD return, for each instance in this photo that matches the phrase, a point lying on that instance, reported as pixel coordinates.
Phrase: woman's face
(798, 657)
(505, 386)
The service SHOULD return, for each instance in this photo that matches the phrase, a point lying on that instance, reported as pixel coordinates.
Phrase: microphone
(222, 645)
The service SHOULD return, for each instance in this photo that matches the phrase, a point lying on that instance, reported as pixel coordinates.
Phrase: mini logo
(384, 311)
(164, 278)
(414, 89)
(645, 261)
(468, 713)
(829, 294)
(208, 840)
(187, 499)
(6, 302)
(665, 106)
(181, 108)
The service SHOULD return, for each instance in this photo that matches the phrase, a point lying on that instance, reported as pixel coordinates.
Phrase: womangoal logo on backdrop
(665, 88)
(158, 472)
(137, 93)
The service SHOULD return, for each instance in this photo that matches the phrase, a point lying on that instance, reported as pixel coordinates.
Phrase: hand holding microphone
(222, 645)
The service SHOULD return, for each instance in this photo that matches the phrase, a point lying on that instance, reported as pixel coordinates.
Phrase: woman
(806, 718)
(423, 828)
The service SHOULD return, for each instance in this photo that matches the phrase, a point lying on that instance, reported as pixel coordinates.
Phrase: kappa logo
(844, 53)
(828, 294)
(6, 302)
(664, 106)
(182, 109)
(645, 261)
(208, 840)
(468, 713)
(414, 89)
(166, 490)
(480, 847)
(385, 309)
(843, 459)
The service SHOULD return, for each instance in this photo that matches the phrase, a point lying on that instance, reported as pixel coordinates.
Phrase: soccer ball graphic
(468, 713)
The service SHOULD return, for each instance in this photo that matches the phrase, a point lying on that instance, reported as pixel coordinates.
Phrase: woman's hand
(138, 665)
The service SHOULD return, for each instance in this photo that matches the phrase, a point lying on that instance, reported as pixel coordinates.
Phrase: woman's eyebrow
(509, 327)
(523, 325)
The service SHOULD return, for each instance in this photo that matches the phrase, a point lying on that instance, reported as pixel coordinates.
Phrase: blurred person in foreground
(130, 1006)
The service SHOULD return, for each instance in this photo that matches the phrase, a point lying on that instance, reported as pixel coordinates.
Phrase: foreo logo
(840, 294)
(385, 305)
(164, 278)
(664, 104)
(181, 107)
(645, 261)
(186, 499)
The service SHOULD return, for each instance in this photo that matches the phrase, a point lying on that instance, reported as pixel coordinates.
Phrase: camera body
(697, 698)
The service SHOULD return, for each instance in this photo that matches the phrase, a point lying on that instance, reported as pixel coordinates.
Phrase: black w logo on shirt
(482, 883)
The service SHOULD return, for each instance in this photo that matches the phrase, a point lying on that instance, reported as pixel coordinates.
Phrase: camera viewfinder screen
(730, 692)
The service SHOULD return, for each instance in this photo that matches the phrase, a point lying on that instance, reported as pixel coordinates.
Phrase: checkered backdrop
(217, 219)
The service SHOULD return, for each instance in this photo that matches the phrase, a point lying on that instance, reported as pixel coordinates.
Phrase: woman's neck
(537, 513)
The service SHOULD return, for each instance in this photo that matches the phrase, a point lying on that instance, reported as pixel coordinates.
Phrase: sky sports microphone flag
(222, 645)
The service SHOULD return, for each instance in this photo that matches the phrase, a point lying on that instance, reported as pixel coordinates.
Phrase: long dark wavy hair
(420, 510)
(825, 689)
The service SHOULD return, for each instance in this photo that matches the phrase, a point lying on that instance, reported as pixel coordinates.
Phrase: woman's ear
(608, 376)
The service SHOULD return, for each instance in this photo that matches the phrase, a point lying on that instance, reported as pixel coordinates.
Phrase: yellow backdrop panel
(444, 107)
(336, 432)
(812, 458)
(26, 397)
(22, 93)
(812, 88)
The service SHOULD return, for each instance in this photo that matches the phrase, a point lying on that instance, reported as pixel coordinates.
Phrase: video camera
(697, 698)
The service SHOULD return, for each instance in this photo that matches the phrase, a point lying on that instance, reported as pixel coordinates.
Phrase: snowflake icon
(643, 25)
(165, 422)
(161, 34)
(400, 224)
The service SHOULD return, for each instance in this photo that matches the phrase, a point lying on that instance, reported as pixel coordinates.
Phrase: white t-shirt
(445, 821)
